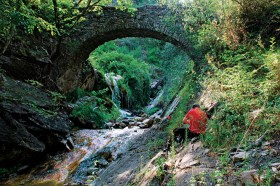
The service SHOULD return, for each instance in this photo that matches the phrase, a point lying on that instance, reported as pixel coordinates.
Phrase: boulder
(31, 123)
(146, 123)
(250, 177)
(240, 156)
(131, 124)
(189, 164)
(108, 125)
(122, 125)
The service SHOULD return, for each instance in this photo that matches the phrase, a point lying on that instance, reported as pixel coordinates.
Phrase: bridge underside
(110, 25)
(97, 40)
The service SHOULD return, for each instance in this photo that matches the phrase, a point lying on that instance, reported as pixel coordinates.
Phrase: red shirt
(197, 120)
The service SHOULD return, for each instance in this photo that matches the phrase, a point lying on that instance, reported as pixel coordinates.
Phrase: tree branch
(56, 19)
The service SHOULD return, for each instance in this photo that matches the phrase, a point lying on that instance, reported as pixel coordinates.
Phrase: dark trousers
(192, 135)
(179, 135)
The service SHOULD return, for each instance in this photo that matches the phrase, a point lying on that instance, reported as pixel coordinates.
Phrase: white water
(124, 113)
(112, 81)
(155, 101)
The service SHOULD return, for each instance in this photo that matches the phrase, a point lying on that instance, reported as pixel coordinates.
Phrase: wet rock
(138, 123)
(68, 142)
(126, 121)
(102, 162)
(264, 153)
(274, 169)
(2, 79)
(92, 79)
(157, 119)
(92, 170)
(273, 152)
(122, 125)
(187, 158)
(20, 68)
(109, 125)
(146, 123)
(132, 124)
(267, 143)
(105, 153)
(93, 163)
(206, 151)
(139, 119)
(195, 139)
(167, 166)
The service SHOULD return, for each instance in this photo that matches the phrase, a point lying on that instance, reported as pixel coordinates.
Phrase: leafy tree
(58, 18)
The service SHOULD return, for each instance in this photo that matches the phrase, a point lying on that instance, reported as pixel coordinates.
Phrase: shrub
(244, 90)
(95, 109)
(136, 80)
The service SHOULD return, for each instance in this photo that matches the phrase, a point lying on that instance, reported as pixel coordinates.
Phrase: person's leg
(192, 135)
(179, 134)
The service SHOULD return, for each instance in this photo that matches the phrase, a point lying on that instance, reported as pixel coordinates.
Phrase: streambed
(93, 151)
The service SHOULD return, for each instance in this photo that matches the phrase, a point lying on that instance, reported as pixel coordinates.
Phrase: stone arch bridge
(157, 22)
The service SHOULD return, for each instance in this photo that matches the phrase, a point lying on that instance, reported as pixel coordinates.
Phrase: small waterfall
(155, 101)
(112, 81)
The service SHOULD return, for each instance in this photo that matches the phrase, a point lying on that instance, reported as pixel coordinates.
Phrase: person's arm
(186, 119)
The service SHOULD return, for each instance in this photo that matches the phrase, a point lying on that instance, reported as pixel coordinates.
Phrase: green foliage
(186, 95)
(3, 171)
(34, 83)
(160, 167)
(249, 85)
(55, 18)
(155, 144)
(57, 97)
(135, 82)
(260, 16)
(166, 61)
(171, 182)
(271, 84)
(152, 111)
(76, 94)
(241, 73)
(217, 177)
(95, 109)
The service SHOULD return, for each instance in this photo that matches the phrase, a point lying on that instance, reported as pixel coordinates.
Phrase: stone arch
(147, 21)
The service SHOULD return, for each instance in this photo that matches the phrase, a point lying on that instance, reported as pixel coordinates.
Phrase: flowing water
(76, 166)
(59, 169)
(112, 82)
(155, 101)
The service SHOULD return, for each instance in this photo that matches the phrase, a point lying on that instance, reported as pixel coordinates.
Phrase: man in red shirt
(197, 119)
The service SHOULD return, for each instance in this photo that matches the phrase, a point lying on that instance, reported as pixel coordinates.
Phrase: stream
(57, 169)
(122, 147)
(93, 151)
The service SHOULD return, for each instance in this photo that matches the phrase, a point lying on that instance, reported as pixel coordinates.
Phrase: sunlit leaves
(56, 17)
